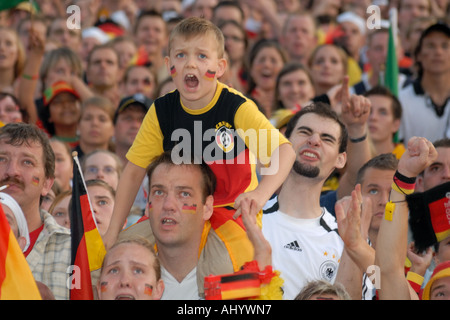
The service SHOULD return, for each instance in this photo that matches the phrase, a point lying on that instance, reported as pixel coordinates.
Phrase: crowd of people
(221, 137)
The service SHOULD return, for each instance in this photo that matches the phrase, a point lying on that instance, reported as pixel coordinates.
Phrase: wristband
(356, 140)
(403, 184)
(415, 280)
(28, 77)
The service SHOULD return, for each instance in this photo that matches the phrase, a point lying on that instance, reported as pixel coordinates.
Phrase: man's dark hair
(209, 179)
(384, 161)
(323, 110)
(396, 106)
(18, 134)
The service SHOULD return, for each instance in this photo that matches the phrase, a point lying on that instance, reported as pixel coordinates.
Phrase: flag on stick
(9, 4)
(88, 249)
(391, 72)
(16, 280)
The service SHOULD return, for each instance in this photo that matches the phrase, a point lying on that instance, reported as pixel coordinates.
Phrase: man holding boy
(212, 121)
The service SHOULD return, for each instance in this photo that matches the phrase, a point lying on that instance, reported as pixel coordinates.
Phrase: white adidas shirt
(303, 249)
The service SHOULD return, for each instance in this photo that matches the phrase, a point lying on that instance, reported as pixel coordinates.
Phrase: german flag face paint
(209, 75)
(35, 181)
(189, 209)
(148, 289)
(103, 286)
(173, 71)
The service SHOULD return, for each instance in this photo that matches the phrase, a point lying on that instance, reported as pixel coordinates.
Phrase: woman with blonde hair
(328, 65)
(12, 60)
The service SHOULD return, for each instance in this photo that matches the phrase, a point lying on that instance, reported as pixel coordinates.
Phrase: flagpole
(75, 158)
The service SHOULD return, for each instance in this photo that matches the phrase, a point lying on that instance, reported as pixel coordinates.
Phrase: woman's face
(267, 64)
(9, 111)
(61, 70)
(8, 49)
(103, 167)
(64, 109)
(295, 89)
(63, 164)
(327, 67)
(61, 212)
(96, 126)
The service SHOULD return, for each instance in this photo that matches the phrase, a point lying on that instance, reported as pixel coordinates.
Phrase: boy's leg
(232, 232)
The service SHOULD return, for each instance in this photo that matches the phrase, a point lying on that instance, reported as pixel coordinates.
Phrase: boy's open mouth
(191, 81)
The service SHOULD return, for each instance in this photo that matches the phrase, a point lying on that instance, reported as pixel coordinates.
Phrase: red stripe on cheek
(103, 286)
(210, 74)
(189, 209)
(35, 181)
(173, 71)
(148, 289)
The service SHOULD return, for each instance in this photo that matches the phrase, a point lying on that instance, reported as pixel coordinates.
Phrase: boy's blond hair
(195, 26)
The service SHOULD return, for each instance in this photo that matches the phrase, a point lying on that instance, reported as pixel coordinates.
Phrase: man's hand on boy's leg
(258, 201)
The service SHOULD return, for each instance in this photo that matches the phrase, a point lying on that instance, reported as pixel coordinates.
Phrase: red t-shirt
(33, 237)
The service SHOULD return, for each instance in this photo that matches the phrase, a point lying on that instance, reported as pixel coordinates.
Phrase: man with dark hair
(296, 226)
(180, 203)
(426, 101)
(103, 71)
(228, 10)
(27, 165)
(384, 121)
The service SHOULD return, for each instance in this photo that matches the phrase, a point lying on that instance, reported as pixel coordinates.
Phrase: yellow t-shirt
(229, 132)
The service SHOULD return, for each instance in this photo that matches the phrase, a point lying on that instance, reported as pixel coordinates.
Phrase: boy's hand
(253, 197)
(419, 155)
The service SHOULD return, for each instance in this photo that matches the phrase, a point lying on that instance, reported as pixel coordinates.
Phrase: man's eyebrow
(157, 186)
(304, 128)
(100, 197)
(322, 135)
(184, 187)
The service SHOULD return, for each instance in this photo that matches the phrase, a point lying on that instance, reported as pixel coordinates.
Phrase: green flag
(391, 71)
(8, 4)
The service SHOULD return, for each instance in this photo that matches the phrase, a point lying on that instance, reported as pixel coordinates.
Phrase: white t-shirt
(184, 290)
(303, 249)
(419, 117)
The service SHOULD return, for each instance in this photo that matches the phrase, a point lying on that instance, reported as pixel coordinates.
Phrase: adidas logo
(293, 246)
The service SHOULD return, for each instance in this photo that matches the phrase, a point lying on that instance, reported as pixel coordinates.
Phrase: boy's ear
(221, 67)
(167, 62)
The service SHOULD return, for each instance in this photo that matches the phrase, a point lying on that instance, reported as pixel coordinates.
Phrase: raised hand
(419, 155)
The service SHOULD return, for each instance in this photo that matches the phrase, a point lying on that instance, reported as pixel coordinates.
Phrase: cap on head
(442, 270)
(136, 99)
(57, 88)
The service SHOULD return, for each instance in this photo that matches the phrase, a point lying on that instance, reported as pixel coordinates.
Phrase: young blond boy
(206, 118)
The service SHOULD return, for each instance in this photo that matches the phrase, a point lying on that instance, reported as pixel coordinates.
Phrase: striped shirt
(50, 257)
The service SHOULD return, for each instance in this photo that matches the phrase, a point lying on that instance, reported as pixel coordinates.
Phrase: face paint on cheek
(35, 181)
(103, 286)
(173, 71)
(189, 209)
(150, 207)
(209, 75)
(148, 289)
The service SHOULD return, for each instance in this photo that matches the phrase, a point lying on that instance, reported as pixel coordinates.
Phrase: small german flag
(189, 209)
(173, 71)
(209, 75)
(88, 249)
